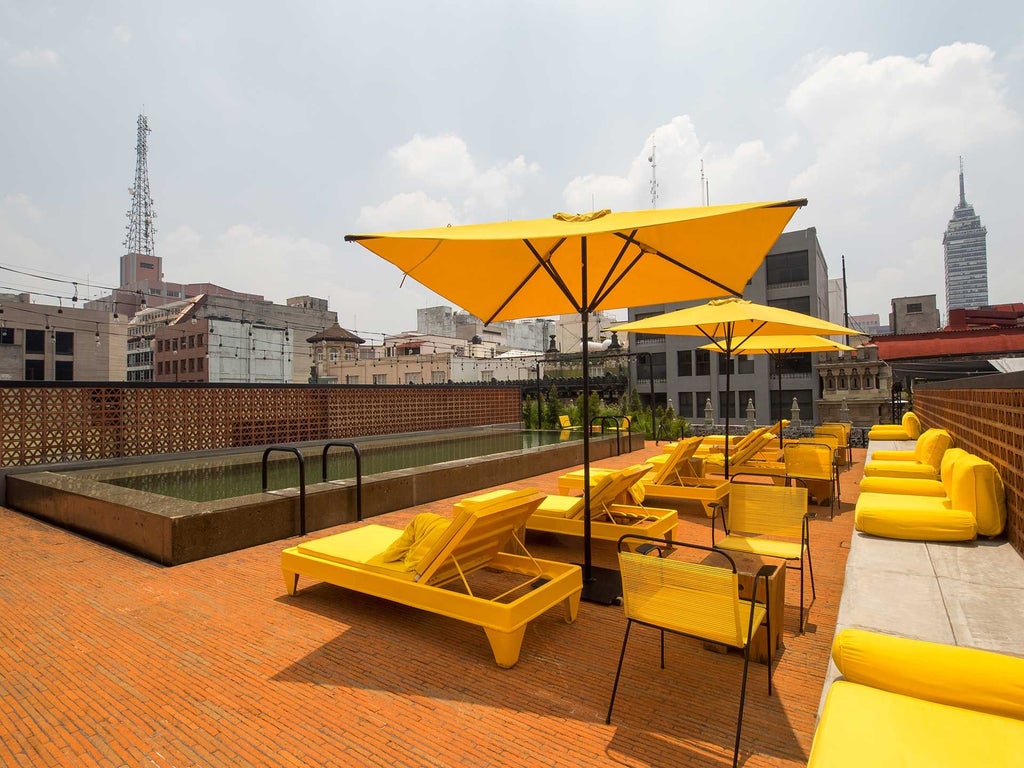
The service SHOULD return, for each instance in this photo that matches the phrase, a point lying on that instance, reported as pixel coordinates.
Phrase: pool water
(211, 479)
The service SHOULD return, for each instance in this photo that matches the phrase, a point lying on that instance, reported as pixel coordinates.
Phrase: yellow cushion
(912, 424)
(946, 674)
(419, 536)
(862, 726)
(912, 518)
(901, 469)
(978, 488)
(903, 486)
(554, 505)
(932, 445)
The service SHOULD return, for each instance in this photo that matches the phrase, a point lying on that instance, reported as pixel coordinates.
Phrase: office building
(965, 256)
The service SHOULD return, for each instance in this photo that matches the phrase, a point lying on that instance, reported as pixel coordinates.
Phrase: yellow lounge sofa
(915, 486)
(925, 462)
(429, 566)
(975, 504)
(909, 428)
(910, 703)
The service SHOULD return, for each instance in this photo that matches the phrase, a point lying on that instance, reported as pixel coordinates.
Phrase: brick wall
(989, 423)
(51, 423)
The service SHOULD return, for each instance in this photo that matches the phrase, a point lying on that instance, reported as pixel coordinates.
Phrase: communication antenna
(654, 176)
(140, 228)
(705, 193)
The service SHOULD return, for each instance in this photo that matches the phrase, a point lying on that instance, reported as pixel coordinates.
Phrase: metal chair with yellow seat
(696, 600)
(769, 521)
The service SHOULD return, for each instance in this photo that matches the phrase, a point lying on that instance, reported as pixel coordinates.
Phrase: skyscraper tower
(965, 256)
(140, 217)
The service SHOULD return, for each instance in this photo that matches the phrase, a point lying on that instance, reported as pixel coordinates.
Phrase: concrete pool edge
(172, 532)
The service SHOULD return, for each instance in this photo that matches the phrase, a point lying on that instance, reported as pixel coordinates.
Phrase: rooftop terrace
(110, 660)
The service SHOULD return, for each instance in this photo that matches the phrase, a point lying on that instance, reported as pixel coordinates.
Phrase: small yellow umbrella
(582, 263)
(778, 346)
(729, 324)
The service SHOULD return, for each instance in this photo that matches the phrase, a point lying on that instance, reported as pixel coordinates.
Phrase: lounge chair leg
(572, 607)
(506, 645)
(291, 582)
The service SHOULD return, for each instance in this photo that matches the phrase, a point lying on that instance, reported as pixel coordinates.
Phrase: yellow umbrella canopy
(582, 263)
(587, 262)
(779, 346)
(729, 324)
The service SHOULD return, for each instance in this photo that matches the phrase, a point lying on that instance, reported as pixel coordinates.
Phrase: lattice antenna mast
(141, 215)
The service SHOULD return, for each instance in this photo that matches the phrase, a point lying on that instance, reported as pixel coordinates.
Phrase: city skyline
(264, 154)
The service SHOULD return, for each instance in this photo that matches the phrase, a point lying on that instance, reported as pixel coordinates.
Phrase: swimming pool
(218, 509)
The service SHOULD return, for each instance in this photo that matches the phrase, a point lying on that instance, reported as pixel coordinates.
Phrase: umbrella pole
(600, 585)
(778, 372)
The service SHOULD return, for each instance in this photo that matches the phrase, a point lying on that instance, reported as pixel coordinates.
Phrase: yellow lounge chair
(751, 453)
(608, 519)
(666, 467)
(360, 560)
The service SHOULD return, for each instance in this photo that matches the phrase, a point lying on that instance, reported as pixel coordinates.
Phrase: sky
(278, 128)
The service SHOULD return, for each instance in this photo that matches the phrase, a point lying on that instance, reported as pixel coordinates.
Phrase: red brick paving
(109, 660)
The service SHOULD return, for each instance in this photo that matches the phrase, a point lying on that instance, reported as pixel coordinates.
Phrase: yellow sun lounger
(415, 567)
(665, 468)
(609, 521)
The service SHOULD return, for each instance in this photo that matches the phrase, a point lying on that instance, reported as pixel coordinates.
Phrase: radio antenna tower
(140, 217)
(654, 177)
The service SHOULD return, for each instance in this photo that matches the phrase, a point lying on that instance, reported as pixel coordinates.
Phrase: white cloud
(451, 189)
(36, 58)
(122, 33)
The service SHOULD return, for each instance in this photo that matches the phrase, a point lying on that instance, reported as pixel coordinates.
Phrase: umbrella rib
(681, 265)
(604, 288)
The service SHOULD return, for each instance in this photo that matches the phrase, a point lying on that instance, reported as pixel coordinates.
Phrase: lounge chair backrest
(683, 451)
(978, 489)
(564, 421)
(604, 494)
(911, 424)
(949, 458)
(770, 510)
(481, 527)
(750, 437)
(751, 449)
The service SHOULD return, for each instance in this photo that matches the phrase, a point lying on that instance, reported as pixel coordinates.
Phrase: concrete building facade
(914, 314)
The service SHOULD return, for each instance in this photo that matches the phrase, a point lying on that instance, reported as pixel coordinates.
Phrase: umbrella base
(604, 586)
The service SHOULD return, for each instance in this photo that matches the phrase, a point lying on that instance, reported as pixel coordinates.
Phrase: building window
(686, 405)
(351, 379)
(787, 268)
(191, 365)
(684, 363)
(722, 360)
(34, 370)
(414, 377)
(6, 335)
(199, 339)
(842, 382)
(702, 364)
(34, 343)
(830, 383)
(192, 342)
(867, 381)
(793, 365)
(915, 308)
(380, 379)
(319, 355)
(64, 344)
(333, 355)
(745, 364)
(855, 382)
(801, 304)
(199, 365)
(724, 401)
(437, 377)
(64, 370)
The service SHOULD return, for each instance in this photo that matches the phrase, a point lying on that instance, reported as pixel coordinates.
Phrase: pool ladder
(302, 475)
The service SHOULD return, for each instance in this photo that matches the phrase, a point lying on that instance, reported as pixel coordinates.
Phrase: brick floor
(109, 660)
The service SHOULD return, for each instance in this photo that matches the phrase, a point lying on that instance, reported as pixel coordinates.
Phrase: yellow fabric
(420, 535)
(731, 322)
(862, 727)
(903, 486)
(946, 674)
(901, 469)
(786, 344)
(360, 547)
(912, 424)
(912, 518)
(978, 489)
(931, 446)
(492, 270)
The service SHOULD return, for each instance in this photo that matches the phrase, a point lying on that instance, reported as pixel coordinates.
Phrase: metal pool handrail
(603, 420)
(302, 480)
(359, 471)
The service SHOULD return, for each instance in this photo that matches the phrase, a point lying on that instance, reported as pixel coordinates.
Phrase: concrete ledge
(959, 593)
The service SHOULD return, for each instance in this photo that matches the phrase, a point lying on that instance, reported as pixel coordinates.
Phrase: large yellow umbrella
(729, 324)
(778, 347)
(582, 263)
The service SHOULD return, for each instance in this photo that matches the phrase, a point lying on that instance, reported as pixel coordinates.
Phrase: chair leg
(743, 696)
(663, 649)
(618, 671)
